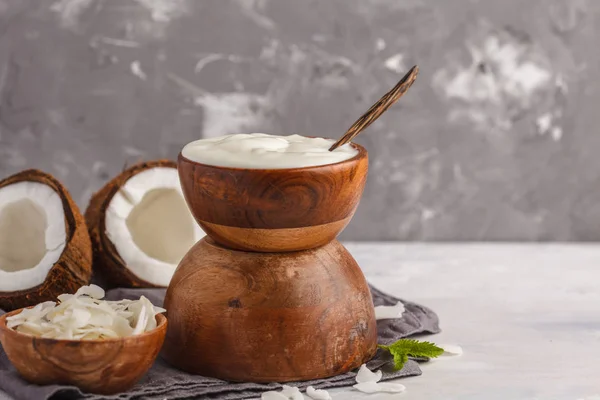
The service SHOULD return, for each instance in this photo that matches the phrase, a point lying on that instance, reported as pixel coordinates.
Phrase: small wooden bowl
(274, 210)
(269, 317)
(96, 366)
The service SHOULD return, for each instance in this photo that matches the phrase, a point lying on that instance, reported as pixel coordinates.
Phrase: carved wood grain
(95, 366)
(261, 317)
(325, 196)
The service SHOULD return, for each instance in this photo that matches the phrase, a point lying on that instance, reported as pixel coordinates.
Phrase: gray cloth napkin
(165, 382)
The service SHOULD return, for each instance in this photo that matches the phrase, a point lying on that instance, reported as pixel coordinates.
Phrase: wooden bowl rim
(161, 326)
(270, 254)
(362, 154)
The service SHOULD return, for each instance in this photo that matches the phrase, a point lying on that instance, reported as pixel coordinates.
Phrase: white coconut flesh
(150, 224)
(32, 234)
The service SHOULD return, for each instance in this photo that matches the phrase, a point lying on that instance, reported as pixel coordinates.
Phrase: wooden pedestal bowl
(264, 317)
(274, 210)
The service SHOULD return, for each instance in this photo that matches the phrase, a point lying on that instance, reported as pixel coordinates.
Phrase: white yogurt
(263, 151)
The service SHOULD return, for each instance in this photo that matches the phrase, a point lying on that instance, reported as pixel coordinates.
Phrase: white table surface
(526, 316)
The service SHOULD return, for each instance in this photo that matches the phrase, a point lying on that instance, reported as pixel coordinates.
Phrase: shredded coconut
(375, 387)
(367, 381)
(366, 375)
(287, 393)
(273, 395)
(292, 392)
(317, 394)
(84, 316)
(389, 312)
(451, 349)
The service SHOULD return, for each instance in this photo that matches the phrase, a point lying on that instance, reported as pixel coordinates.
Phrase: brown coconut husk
(108, 264)
(74, 267)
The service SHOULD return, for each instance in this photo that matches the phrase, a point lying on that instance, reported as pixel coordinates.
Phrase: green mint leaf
(399, 360)
(404, 348)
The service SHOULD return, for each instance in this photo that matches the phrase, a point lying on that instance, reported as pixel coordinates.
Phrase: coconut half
(45, 248)
(141, 226)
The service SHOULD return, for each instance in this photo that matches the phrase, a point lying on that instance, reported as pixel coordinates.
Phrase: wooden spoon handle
(378, 108)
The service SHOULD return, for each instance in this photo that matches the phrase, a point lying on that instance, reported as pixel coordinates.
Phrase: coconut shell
(108, 264)
(74, 267)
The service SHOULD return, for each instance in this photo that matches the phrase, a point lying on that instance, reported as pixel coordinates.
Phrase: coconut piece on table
(291, 392)
(376, 387)
(141, 226)
(45, 248)
(450, 350)
(317, 394)
(367, 381)
(364, 374)
(287, 393)
(389, 312)
(273, 395)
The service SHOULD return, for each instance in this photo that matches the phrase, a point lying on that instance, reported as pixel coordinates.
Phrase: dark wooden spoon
(378, 108)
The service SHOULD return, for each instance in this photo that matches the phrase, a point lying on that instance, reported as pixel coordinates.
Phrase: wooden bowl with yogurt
(104, 366)
(249, 196)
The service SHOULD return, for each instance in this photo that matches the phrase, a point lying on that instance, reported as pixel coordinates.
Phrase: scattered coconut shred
(368, 382)
(287, 393)
(389, 312)
(84, 316)
(450, 350)
(293, 393)
(317, 394)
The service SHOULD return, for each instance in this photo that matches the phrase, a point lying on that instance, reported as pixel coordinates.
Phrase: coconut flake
(30, 314)
(389, 312)
(366, 375)
(84, 316)
(292, 392)
(367, 387)
(273, 395)
(375, 387)
(451, 349)
(122, 327)
(389, 387)
(79, 318)
(94, 291)
(141, 321)
(64, 297)
(287, 393)
(100, 318)
(368, 382)
(317, 394)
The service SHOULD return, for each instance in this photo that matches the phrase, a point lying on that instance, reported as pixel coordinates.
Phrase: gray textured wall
(497, 140)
